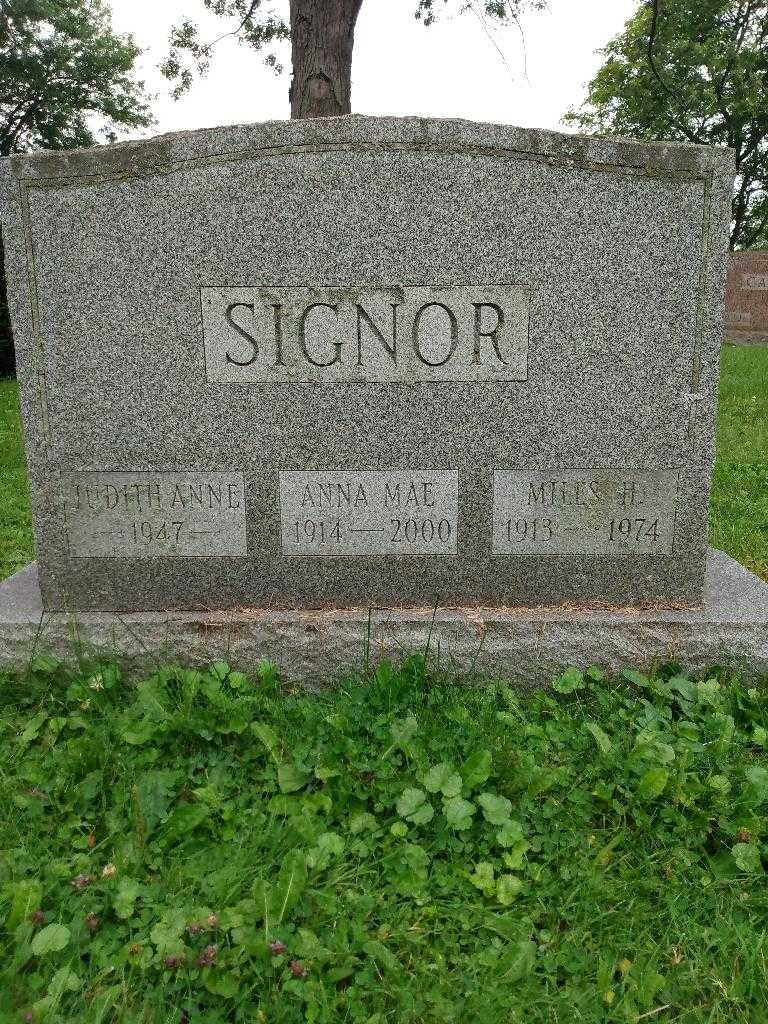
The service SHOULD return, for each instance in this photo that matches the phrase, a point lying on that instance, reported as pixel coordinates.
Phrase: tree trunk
(322, 37)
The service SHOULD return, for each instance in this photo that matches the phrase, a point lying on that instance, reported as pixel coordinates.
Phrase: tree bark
(322, 37)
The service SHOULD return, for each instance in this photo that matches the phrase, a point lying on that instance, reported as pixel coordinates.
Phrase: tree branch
(9, 138)
(655, 14)
(756, 233)
(241, 26)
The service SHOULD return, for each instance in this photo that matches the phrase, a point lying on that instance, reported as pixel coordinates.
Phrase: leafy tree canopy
(695, 71)
(62, 70)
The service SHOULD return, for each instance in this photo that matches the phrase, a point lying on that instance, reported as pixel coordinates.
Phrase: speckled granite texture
(619, 246)
(528, 647)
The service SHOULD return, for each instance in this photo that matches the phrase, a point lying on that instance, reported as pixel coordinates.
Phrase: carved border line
(705, 265)
(38, 353)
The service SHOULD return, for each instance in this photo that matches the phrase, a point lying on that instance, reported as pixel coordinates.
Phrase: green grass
(739, 520)
(16, 544)
(419, 851)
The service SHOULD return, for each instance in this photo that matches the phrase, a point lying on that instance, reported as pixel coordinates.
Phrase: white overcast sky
(452, 69)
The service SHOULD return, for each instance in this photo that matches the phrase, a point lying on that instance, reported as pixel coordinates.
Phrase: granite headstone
(352, 360)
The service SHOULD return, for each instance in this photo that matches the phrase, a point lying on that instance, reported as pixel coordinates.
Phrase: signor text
(389, 334)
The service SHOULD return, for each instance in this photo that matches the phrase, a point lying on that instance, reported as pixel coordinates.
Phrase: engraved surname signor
(390, 334)
(371, 512)
(584, 512)
(154, 515)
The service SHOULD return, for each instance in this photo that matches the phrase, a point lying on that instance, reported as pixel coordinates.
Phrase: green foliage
(696, 71)
(51, 939)
(16, 547)
(61, 65)
(200, 846)
(739, 507)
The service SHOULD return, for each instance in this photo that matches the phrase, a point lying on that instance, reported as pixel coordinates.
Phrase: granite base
(526, 646)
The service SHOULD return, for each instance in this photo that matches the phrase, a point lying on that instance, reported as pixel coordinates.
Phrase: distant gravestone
(364, 360)
(746, 299)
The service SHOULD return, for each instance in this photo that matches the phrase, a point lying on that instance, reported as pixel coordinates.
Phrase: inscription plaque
(755, 282)
(345, 512)
(584, 512)
(154, 515)
(738, 316)
(347, 334)
(746, 317)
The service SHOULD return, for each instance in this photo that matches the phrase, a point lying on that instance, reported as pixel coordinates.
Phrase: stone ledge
(526, 646)
(747, 337)
(145, 156)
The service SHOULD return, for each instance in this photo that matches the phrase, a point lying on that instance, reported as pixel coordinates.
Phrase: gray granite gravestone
(326, 363)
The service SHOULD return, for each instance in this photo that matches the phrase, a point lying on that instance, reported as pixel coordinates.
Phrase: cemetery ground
(204, 848)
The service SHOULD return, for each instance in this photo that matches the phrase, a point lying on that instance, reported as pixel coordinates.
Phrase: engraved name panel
(738, 316)
(371, 335)
(154, 515)
(345, 512)
(584, 512)
(755, 282)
